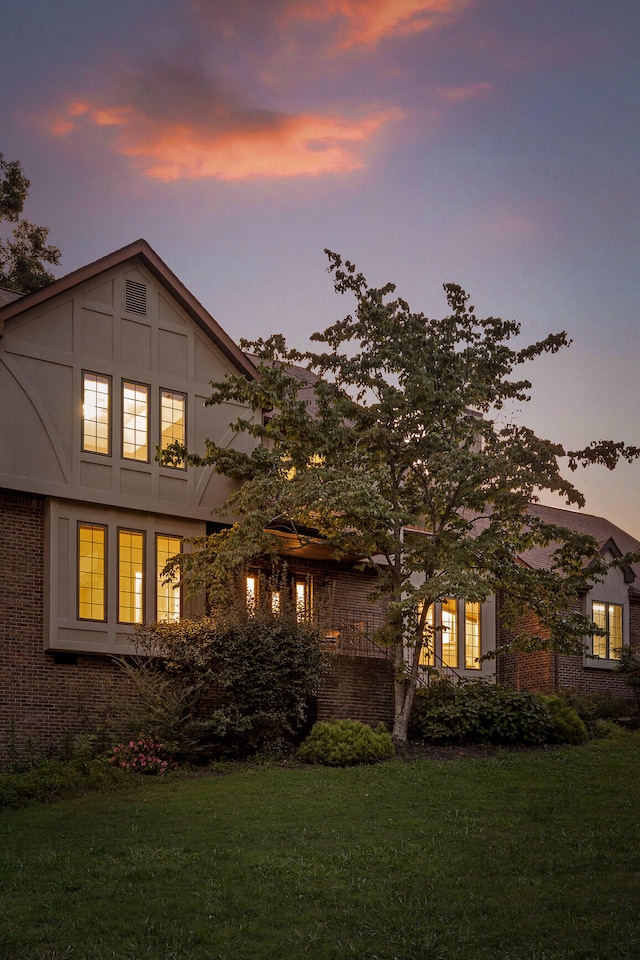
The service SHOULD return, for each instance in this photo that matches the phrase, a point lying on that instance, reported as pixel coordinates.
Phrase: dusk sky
(492, 143)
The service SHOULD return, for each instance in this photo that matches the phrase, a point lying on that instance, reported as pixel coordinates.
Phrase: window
(135, 421)
(452, 636)
(168, 599)
(471, 635)
(130, 576)
(303, 594)
(450, 633)
(172, 419)
(92, 543)
(251, 591)
(607, 616)
(427, 653)
(96, 413)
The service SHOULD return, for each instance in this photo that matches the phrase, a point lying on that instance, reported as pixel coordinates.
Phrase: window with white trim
(96, 413)
(453, 635)
(168, 594)
(135, 421)
(609, 617)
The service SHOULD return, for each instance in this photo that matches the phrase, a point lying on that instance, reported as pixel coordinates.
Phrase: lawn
(530, 855)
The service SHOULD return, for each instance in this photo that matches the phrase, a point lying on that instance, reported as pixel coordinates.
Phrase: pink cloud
(179, 124)
(368, 22)
(472, 91)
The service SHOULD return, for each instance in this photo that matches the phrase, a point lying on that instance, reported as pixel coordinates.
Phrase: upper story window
(96, 413)
(135, 421)
(173, 407)
(608, 616)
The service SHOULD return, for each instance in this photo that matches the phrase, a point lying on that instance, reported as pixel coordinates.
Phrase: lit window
(275, 601)
(427, 653)
(251, 592)
(96, 413)
(450, 633)
(135, 421)
(471, 635)
(130, 576)
(303, 598)
(172, 419)
(608, 616)
(168, 601)
(91, 571)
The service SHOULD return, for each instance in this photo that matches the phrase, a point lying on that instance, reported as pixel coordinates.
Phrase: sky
(490, 143)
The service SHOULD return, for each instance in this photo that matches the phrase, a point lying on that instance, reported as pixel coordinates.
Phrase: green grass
(530, 855)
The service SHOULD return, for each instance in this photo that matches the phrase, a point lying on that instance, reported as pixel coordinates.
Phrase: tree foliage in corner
(23, 255)
(400, 452)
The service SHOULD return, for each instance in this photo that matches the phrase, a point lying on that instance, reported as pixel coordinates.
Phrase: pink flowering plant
(144, 755)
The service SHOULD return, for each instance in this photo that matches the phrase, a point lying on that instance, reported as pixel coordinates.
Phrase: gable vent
(135, 297)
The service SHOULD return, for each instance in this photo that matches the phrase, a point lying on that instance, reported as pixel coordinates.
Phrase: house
(98, 370)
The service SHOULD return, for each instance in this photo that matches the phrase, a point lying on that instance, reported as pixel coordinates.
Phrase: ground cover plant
(522, 855)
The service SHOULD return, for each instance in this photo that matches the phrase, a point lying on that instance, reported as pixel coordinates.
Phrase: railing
(352, 635)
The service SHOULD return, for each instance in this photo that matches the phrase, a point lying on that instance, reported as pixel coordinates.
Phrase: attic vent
(135, 299)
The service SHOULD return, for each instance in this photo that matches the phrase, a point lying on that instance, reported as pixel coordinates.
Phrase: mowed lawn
(529, 854)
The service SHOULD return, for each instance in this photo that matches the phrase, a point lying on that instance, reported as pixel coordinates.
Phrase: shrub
(228, 686)
(51, 779)
(346, 743)
(567, 727)
(142, 755)
(479, 712)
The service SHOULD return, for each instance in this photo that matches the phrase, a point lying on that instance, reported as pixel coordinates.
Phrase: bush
(142, 755)
(224, 687)
(479, 712)
(346, 743)
(51, 779)
(567, 727)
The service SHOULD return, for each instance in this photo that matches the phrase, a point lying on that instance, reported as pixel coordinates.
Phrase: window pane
(599, 616)
(172, 418)
(167, 593)
(130, 576)
(91, 572)
(471, 635)
(95, 413)
(135, 421)
(251, 592)
(427, 658)
(303, 598)
(615, 630)
(450, 633)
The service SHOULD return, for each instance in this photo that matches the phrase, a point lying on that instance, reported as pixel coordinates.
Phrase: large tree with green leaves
(24, 254)
(399, 451)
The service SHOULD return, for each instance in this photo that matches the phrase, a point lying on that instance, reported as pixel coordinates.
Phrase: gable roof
(141, 251)
(7, 296)
(608, 536)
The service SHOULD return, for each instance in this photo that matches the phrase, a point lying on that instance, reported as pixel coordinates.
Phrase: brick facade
(357, 688)
(41, 697)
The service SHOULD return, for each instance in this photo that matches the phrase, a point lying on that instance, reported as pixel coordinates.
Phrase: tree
(400, 452)
(22, 257)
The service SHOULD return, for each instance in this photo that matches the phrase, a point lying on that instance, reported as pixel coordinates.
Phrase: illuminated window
(168, 600)
(172, 419)
(608, 616)
(135, 421)
(450, 633)
(427, 654)
(472, 635)
(251, 591)
(92, 542)
(303, 598)
(130, 576)
(96, 413)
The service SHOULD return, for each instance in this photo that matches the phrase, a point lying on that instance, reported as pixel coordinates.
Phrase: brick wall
(41, 699)
(357, 688)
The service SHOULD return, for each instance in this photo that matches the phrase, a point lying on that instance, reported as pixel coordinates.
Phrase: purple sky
(493, 143)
